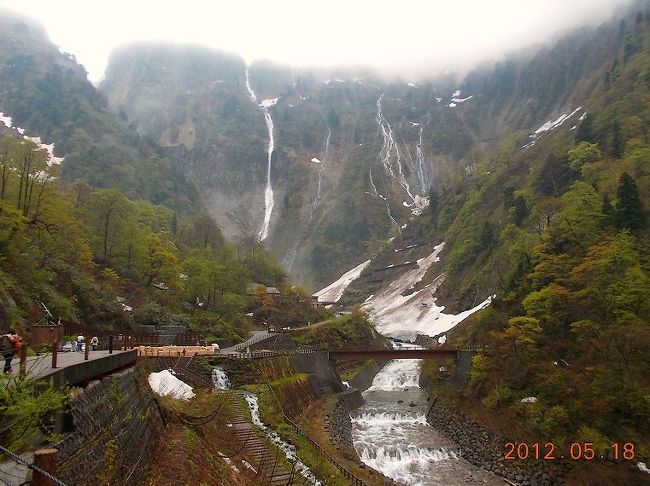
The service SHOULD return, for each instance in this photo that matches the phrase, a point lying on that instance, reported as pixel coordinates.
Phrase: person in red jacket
(10, 343)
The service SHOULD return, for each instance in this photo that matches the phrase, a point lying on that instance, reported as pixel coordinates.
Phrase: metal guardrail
(254, 341)
(270, 354)
(33, 467)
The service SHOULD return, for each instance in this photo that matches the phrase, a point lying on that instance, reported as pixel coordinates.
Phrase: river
(391, 435)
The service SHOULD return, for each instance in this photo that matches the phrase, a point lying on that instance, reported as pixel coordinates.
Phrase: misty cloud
(409, 36)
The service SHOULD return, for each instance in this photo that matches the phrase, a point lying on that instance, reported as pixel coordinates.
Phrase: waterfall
(383, 198)
(220, 379)
(423, 171)
(397, 375)
(320, 174)
(389, 151)
(264, 106)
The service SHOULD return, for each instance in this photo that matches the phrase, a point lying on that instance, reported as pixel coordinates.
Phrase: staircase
(268, 461)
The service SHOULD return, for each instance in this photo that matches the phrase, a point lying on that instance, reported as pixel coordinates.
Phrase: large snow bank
(165, 383)
(403, 316)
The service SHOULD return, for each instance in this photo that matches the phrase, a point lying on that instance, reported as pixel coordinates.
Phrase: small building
(272, 291)
(251, 290)
(315, 303)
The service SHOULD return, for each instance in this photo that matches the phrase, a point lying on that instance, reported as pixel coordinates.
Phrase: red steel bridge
(385, 354)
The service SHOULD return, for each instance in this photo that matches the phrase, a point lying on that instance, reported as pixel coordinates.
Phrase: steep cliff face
(353, 155)
(46, 93)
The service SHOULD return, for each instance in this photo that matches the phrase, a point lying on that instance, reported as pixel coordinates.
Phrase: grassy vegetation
(187, 452)
(352, 330)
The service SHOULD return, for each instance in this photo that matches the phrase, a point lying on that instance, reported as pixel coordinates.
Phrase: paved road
(242, 346)
(39, 366)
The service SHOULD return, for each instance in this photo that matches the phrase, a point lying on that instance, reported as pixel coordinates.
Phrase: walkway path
(257, 337)
(73, 366)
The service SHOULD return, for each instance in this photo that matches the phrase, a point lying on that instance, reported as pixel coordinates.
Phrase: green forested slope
(46, 92)
(559, 232)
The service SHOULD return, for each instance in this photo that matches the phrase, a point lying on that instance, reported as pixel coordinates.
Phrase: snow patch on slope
(165, 383)
(334, 291)
(49, 148)
(551, 125)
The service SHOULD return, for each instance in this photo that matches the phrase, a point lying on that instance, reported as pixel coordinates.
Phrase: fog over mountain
(411, 38)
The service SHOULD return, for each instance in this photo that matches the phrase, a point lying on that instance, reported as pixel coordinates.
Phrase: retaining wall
(319, 364)
(363, 379)
(114, 425)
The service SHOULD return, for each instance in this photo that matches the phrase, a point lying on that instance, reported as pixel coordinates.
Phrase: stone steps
(265, 458)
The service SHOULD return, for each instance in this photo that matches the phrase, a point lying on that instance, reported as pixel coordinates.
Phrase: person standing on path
(9, 344)
(80, 342)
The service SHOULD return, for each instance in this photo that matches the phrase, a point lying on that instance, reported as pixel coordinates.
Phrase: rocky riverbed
(484, 449)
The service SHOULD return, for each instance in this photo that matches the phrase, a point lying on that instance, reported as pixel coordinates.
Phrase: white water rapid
(264, 105)
(391, 434)
(288, 449)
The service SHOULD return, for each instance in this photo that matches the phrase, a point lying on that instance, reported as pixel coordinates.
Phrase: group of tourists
(10, 344)
(94, 342)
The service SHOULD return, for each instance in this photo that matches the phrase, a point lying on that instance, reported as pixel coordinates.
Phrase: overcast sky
(404, 35)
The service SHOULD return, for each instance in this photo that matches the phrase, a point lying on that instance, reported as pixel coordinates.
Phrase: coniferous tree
(629, 208)
(585, 131)
(618, 145)
(520, 210)
(607, 205)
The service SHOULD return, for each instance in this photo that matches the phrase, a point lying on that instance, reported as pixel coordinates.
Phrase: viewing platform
(73, 369)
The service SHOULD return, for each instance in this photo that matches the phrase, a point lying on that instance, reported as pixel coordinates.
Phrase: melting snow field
(165, 383)
(334, 291)
(403, 316)
(552, 125)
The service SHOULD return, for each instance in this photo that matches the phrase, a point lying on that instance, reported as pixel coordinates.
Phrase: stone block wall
(339, 427)
(113, 426)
